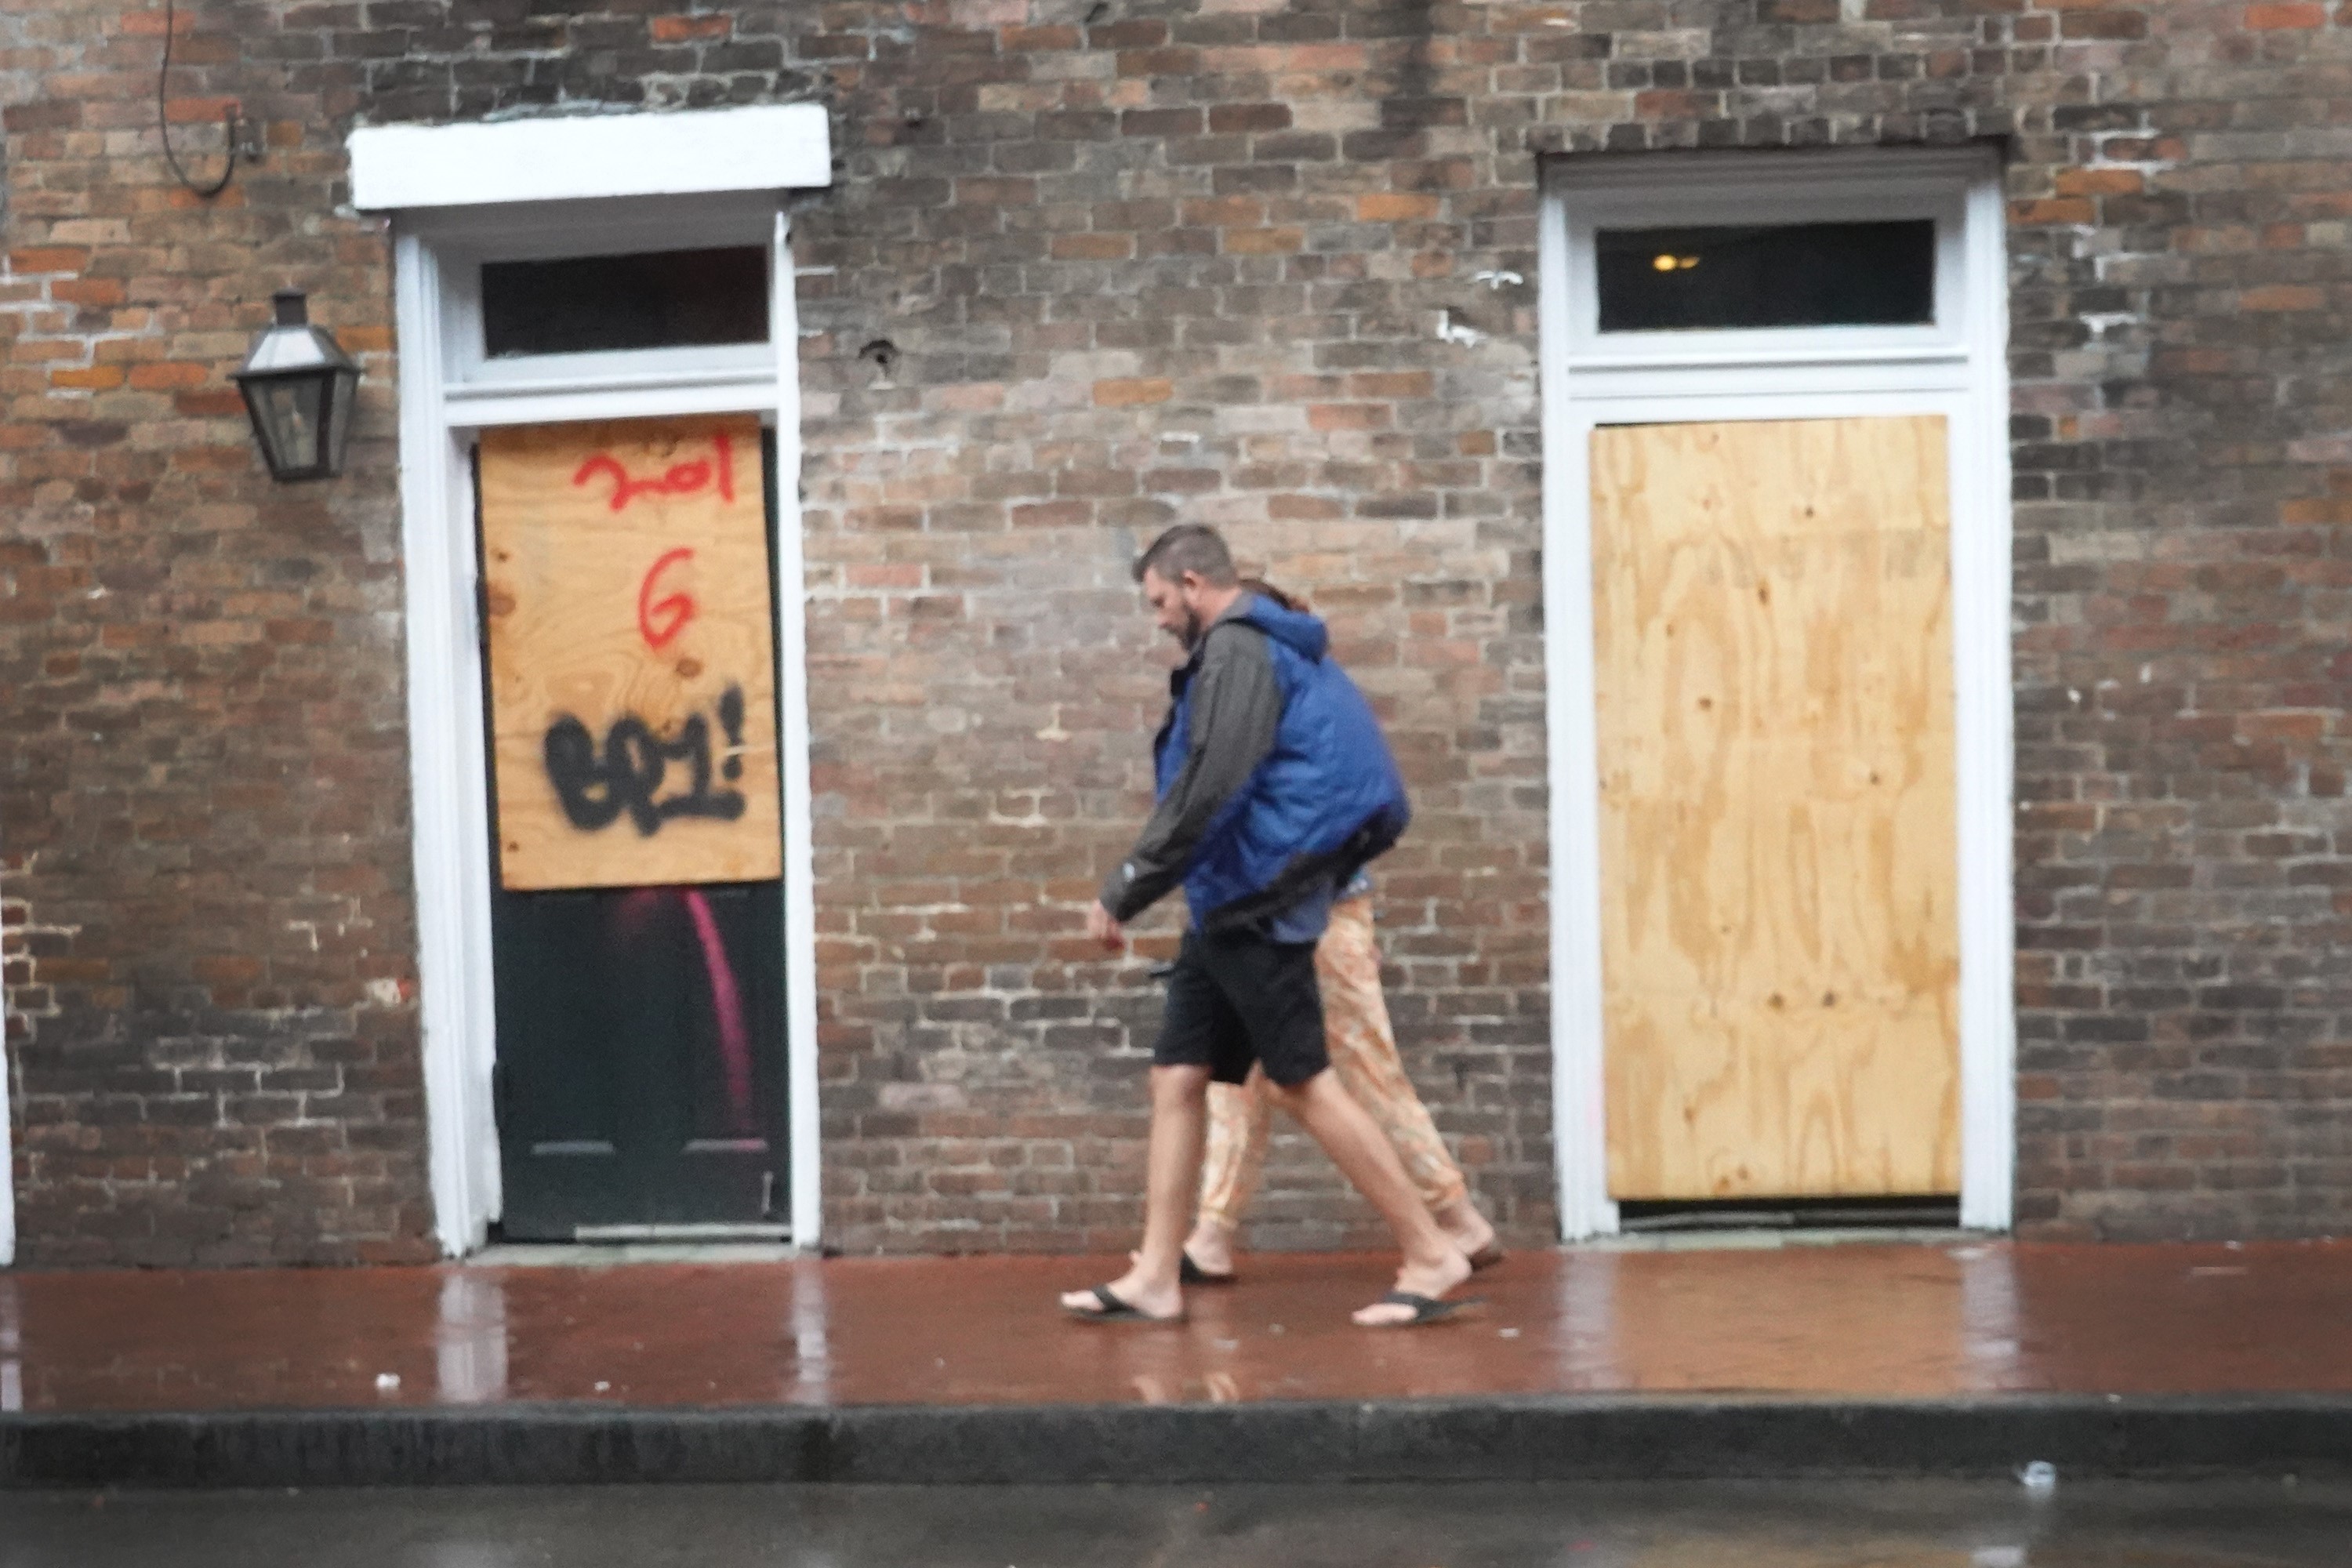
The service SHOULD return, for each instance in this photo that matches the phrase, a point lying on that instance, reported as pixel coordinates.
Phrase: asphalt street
(1858, 1525)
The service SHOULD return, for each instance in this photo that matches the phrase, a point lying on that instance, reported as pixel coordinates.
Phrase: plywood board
(1781, 954)
(632, 653)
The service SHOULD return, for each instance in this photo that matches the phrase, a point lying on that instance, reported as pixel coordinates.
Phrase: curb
(1527, 1439)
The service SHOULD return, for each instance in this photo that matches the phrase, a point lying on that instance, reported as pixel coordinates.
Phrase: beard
(1188, 635)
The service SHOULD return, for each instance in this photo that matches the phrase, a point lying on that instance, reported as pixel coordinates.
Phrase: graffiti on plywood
(632, 654)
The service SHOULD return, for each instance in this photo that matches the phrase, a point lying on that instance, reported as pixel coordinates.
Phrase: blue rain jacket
(1325, 801)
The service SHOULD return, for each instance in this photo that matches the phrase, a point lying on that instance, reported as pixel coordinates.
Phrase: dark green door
(640, 1078)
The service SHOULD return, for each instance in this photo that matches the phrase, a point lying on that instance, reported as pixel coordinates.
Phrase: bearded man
(1275, 787)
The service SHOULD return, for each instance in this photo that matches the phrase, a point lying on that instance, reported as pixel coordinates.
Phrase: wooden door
(1773, 661)
(637, 912)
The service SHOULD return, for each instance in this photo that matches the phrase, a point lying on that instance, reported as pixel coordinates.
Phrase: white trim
(1720, 376)
(1934, 372)
(546, 231)
(446, 781)
(764, 147)
(619, 368)
(478, 409)
(8, 1158)
(1984, 736)
(7, 1170)
(806, 1163)
(1580, 1138)
(624, 369)
(444, 398)
(1680, 356)
(617, 384)
(1864, 185)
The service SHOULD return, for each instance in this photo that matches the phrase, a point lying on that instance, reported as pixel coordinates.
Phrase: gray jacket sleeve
(1236, 708)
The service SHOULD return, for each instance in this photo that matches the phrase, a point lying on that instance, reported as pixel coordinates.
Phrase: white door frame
(7, 1153)
(7, 1157)
(1956, 367)
(568, 195)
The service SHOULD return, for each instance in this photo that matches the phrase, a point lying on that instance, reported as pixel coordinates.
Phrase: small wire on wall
(232, 123)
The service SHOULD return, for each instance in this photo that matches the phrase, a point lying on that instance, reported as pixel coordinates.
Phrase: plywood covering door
(636, 920)
(1779, 948)
(632, 654)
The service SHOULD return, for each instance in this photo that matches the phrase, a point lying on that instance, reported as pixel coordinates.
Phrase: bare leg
(1362, 1046)
(1211, 1244)
(1433, 1264)
(1465, 1226)
(1223, 1199)
(1241, 1119)
(1173, 1173)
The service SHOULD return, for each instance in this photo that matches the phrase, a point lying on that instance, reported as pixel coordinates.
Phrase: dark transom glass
(658, 299)
(1781, 275)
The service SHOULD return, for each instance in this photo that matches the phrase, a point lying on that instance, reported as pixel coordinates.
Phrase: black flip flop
(1191, 1273)
(1115, 1310)
(1426, 1309)
(1485, 1258)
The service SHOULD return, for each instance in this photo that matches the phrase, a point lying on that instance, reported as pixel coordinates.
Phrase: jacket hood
(1303, 632)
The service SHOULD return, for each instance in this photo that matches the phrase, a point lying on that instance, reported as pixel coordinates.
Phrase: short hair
(1193, 547)
(1265, 590)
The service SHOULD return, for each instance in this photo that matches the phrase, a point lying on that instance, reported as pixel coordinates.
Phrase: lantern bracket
(237, 133)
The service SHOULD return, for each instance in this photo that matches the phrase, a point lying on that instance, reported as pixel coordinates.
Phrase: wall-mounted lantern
(299, 387)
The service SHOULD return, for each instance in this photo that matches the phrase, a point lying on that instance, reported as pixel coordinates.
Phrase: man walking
(1274, 787)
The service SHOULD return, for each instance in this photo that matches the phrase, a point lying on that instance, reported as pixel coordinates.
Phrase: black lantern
(299, 386)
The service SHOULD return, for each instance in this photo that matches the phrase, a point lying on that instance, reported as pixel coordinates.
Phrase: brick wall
(1090, 266)
(2179, 274)
(204, 874)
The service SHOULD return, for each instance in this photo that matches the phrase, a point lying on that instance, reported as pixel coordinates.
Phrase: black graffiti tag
(629, 774)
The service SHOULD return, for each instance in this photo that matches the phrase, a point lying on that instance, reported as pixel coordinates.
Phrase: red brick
(1227, 117)
(1093, 246)
(2032, 214)
(1395, 208)
(1262, 241)
(1041, 40)
(688, 29)
(48, 258)
(2100, 182)
(95, 291)
(166, 376)
(2282, 297)
(1131, 393)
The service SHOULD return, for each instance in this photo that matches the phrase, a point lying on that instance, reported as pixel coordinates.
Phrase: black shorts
(1237, 998)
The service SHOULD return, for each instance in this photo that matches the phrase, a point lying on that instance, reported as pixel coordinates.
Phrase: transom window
(1766, 275)
(651, 300)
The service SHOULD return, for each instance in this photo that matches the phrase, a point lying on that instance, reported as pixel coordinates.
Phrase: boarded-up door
(1773, 660)
(632, 656)
(636, 923)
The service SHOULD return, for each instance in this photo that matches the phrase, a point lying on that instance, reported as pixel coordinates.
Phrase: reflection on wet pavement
(1912, 1525)
(1969, 1316)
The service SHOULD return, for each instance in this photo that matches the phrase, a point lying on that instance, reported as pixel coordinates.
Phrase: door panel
(640, 1035)
(1774, 676)
(638, 954)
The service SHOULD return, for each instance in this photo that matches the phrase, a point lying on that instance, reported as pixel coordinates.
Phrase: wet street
(1883, 1525)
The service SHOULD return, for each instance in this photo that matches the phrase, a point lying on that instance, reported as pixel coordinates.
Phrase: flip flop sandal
(1114, 1310)
(1191, 1273)
(1485, 1258)
(1426, 1309)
